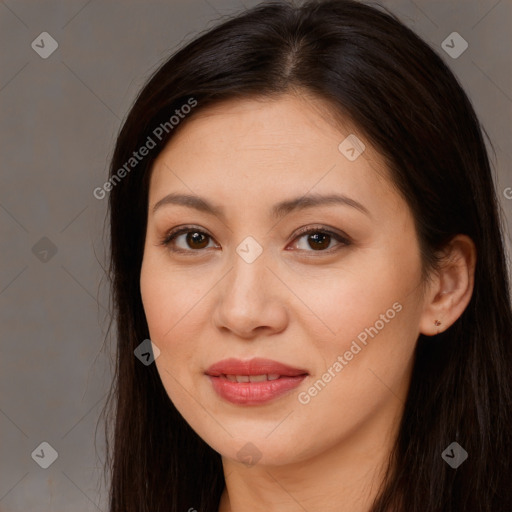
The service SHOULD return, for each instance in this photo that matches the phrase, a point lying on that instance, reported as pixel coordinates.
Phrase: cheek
(367, 289)
(166, 300)
(370, 313)
(163, 308)
(362, 371)
(375, 313)
(167, 297)
(175, 309)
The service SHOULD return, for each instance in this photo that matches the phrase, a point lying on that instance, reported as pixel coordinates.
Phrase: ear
(450, 289)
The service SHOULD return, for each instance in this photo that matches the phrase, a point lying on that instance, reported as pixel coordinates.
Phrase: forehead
(269, 148)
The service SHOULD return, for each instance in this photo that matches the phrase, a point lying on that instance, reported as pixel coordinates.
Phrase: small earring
(437, 322)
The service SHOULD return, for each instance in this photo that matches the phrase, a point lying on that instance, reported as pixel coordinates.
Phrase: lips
(253, 382)
(256, 366)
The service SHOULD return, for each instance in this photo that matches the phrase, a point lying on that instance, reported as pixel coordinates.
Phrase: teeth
(252, 378)
(257, 378)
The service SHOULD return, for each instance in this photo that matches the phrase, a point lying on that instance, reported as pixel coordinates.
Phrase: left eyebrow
(312, 200)
(279, 210)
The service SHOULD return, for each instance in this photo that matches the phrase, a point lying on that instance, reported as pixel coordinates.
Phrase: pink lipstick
(253, 382)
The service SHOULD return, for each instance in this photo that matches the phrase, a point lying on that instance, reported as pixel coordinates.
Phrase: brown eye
(318, 240)
(196, 240)
(187, 239)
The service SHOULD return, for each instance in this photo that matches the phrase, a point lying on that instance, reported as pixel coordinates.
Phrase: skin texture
(293, 304)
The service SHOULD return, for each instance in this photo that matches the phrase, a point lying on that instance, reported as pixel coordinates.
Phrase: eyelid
(342, 238)
(180, 230)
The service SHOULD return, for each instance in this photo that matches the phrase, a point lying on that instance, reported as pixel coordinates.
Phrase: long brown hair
(404, 99)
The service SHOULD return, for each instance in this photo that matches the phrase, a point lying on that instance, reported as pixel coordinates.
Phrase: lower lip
(254, 393)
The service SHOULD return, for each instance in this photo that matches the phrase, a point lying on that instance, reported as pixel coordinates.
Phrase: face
(329, 288)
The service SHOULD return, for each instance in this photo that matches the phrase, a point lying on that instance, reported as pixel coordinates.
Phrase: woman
(304, 224)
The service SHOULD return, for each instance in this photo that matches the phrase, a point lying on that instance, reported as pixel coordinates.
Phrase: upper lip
(256, 366)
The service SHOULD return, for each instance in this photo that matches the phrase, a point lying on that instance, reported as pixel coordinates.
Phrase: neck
(346, 478)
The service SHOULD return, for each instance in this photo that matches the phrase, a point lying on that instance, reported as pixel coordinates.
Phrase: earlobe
(452, 287)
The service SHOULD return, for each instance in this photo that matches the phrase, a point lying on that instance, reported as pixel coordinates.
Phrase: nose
(250, 300)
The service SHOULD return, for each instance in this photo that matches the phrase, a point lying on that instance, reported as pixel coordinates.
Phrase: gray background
(59, 119)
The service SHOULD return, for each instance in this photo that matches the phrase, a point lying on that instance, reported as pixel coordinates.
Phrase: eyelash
(173, 234)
